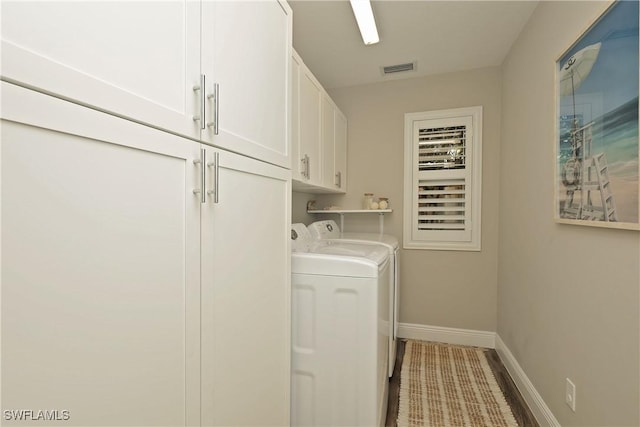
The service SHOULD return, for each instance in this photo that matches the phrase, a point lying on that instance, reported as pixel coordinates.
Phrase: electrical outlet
(570, 395)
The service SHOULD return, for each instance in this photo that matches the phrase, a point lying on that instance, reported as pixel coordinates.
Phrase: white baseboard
(447, 335)
(540, 410)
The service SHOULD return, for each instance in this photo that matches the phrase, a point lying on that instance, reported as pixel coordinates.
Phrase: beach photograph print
(597, 151)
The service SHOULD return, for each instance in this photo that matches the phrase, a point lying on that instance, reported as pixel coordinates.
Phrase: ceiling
(442, 36)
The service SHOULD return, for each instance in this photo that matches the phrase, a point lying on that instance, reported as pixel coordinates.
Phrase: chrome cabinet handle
(338, 181)
(216, 104)
(201, 161)
(203, 103)
(196, 88)
(307, 167)
(216, 174)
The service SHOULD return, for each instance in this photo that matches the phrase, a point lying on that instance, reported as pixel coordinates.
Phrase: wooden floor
(520, 410)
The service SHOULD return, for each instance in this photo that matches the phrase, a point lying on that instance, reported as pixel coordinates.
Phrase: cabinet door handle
(216, 172)
(201, 161)
(307, 169)
(203, 103)
(338, 181)
(216, 104)
(203, 177)
(216, 175)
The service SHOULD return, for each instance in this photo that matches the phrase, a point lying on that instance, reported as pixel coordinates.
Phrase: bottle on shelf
(367, 201)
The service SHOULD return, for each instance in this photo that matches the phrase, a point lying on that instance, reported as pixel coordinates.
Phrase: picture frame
(596, 141)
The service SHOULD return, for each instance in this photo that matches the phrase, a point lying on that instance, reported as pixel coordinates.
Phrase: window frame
(412, 237)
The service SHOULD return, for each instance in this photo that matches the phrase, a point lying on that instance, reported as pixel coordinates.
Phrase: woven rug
(445, 385)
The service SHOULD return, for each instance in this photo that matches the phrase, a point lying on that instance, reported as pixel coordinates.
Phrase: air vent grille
(390, 69)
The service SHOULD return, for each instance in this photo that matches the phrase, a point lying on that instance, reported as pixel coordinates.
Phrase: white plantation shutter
(442, 179)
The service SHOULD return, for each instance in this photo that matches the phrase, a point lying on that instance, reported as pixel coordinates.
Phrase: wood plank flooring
(521, 411)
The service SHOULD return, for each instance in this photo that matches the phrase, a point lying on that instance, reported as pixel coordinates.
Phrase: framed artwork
(597, 170)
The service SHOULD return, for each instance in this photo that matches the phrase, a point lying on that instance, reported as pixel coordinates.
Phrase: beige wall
(441, 288)
(568, 296)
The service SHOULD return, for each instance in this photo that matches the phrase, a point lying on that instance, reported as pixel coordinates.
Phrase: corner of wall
(538, 407)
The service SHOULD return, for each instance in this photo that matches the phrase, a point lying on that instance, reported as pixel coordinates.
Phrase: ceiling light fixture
(366, 22)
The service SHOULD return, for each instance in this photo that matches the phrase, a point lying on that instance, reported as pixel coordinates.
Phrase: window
(443, 179)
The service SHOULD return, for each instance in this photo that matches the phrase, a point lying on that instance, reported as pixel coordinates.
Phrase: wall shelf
(343, 212)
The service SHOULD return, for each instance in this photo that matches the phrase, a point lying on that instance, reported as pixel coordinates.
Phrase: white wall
(568, 296)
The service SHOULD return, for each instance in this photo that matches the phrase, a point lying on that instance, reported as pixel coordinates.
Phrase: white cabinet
(307, 94)
(334, 146)
(125, 299)
(246, 336)
(135, 59)
(319, 136)
(100, 266)
(246, 51)
(146, 61)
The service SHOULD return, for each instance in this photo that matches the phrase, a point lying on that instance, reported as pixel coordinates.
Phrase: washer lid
(334, 265)
(376, 253)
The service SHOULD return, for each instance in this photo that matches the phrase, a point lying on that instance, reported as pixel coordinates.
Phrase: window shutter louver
(441, 148)
(441, 178)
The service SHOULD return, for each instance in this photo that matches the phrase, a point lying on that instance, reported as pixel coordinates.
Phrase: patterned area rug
(444, 385)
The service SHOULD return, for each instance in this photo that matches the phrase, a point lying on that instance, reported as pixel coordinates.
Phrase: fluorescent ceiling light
(366, 22)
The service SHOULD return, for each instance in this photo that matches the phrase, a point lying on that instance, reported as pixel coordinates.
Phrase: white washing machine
(340, 332)
(328, 230)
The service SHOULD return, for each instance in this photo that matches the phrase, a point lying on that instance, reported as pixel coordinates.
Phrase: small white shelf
(343, 212)
(349, 211)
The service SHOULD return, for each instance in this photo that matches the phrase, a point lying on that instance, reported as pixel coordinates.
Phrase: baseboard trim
(447, 335)
(540, 410)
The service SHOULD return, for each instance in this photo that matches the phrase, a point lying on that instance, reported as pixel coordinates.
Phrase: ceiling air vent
(391, 69)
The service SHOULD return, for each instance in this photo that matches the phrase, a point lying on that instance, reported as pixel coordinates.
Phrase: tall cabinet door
(139, 60)
(100, 266)
(246, 325)
(246, 50)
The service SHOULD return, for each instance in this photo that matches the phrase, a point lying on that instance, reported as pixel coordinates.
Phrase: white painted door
(340, 159)
(334, 146)
(298, 171)
(139, 59)
(310, 125)
(246, 51)
(328, 143)
(100, 266)
(246, 293)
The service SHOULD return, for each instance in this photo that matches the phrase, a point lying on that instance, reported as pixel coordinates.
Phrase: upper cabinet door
(297, 161)
(139, 60)
(334, 146)
(310, 111)
(328, 143)
(246, 51)
(340, 141)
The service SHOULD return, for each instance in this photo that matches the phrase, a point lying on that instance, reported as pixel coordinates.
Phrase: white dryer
(328, 230)
(340, 335)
